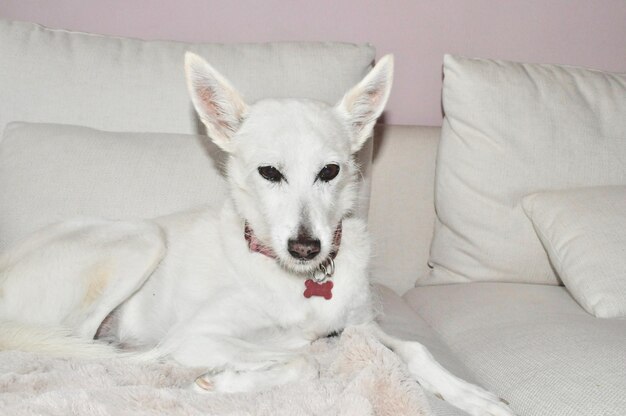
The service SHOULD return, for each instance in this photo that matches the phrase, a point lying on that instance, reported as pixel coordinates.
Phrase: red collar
(254, 244)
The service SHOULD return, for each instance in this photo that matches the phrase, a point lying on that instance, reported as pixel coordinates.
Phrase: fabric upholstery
(49, 173)
(402, 213)
(510, 130)
(122, 84)
(531, 344)
(584, 233)
(397, 318)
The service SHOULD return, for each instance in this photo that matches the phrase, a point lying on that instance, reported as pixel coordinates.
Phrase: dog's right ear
(218, 104)
(364, 103)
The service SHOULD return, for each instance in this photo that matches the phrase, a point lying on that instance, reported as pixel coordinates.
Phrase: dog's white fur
(187, 286)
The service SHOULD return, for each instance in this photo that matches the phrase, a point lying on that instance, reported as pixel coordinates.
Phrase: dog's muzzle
(302, 250)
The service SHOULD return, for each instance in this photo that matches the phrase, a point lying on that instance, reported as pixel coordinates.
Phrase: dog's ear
(218, 104)
(364, 103)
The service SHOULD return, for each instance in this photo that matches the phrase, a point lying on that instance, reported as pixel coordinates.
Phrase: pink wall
(418, 32)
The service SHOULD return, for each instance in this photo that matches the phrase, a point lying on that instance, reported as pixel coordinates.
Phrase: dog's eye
(328, 172)
(270, 173)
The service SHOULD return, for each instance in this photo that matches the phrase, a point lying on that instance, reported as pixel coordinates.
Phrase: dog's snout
(304, 247)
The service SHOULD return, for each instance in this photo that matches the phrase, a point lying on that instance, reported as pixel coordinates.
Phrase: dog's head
(290, 169)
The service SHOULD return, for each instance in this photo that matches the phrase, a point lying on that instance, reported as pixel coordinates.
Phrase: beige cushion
(510, 130)
(402, 214)
(531, 344)
(49, 173)
(125, 84)
(584, 233)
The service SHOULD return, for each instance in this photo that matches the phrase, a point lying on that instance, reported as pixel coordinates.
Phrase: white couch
(527, 340)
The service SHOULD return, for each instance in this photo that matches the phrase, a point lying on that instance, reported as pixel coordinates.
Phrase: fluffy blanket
(358, 377)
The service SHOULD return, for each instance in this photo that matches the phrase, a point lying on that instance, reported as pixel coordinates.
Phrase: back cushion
(402, 215)
(510, 130)
(49, 173)
(124, 84)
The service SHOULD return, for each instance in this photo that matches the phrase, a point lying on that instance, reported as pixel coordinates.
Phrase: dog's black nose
(304, 248)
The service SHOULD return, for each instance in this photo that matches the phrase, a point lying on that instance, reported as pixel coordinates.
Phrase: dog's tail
(60, 342)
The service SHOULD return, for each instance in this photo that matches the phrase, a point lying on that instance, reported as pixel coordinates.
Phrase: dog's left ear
(220, 107)
(364, 103)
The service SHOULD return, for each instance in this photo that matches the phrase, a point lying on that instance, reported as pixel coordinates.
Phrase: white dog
(237, 291)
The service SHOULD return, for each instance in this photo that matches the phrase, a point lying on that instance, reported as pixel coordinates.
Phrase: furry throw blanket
(358, 377)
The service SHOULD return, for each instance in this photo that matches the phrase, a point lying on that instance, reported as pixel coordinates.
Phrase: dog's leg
(433, 377)
(130, 253)
(74, 273)
(228, 380)
(238, 365)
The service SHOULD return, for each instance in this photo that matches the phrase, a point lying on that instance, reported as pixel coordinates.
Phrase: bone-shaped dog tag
(318, 289)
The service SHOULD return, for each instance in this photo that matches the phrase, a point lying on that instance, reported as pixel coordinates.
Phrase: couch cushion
(51, 172)
(509, 130)
(532, 344)
(402, 211)
(123, 84)
(584, 233)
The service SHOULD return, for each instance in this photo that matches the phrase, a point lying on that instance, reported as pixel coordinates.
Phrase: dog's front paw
(230, 380)
(204, 384)
(476, 401)
(226, 381)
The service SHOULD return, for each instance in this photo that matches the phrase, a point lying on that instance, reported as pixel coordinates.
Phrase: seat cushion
(532, 344)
